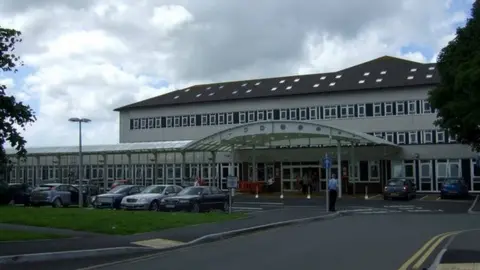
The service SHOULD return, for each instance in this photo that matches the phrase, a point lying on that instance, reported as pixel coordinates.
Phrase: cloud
(88, 57)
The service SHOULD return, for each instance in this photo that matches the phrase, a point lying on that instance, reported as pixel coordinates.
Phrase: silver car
(56, 195)
(149, 198)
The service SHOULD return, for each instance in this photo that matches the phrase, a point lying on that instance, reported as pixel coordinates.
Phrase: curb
(71, 254)
(77, 254)
(470, 210)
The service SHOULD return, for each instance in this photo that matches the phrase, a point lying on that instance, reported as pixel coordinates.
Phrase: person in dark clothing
(332, 192)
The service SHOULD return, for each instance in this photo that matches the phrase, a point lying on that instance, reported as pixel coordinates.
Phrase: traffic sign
(232, 182)
(327, 162)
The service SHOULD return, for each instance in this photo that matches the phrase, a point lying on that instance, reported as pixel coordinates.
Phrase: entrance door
(445, 169)
(425, 175)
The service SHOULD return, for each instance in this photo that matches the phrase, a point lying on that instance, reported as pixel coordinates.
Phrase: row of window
(411, 107)
(416, 137)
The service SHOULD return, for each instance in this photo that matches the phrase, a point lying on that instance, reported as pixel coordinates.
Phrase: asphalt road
(380, 242)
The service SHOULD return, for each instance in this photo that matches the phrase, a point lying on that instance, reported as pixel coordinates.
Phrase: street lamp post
(80, 157)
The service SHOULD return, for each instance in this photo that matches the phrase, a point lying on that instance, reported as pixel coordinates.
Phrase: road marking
(455, 266)
(259, 203)
(419, 252)
(158, 243)
(421, 199)
(245, 208)
(432, 248)
(438, 199)
(470, 210)
(373, 197)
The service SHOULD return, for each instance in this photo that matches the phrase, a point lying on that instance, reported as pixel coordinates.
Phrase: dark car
(196, 199)
(113, 198)
(454, 188)
(19, 193)
(399, 188)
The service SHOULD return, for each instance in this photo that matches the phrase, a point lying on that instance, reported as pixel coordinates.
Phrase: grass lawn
(107, 221)
(9, 235)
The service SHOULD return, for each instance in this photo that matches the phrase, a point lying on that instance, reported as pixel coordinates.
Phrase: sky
(84, 58)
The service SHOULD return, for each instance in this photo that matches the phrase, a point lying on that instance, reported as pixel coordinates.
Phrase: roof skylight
(323, 77)
(316, 85)
(379, 80)
(187, 90)
(175, 97)
(198, 95)
(361, 81)
(410, 78)
(245, 84)
(282, 81)
(429, 76)
(211, 94)
(273, 89)
(208, 88)
(257, 83)
(338, 76)
(288, 87)
(383, 72)
(413, 70)
(234, 92)
(431, 68)
(366, 74)
(332, 84)
(221, 86)
(248, 91)
(296, 80)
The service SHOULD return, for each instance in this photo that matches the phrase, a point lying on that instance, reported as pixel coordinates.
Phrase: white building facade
(382, 104)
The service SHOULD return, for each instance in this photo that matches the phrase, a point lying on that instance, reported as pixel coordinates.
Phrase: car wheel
(225, 207)
(57, 203)
(196, 208)
(154, 206)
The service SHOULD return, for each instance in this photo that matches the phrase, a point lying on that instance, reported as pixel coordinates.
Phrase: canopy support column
(352, 168)
(339, 168)
(254, 165)
(213, 176)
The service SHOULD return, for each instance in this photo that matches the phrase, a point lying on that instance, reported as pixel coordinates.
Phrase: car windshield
(452, 181)
(191, 191)
(119, 189)
(154, 189)
(45, 187)
(396, 182)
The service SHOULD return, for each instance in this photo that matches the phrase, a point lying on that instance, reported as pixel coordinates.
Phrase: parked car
(113, 198)
(196, 199)
(117, 183)
(150, 197)
(19, 193)
(454, 188)
(399, 188)
(56, 195)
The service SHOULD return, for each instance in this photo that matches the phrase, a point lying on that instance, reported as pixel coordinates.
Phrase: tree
(457, 97)
(14, 115)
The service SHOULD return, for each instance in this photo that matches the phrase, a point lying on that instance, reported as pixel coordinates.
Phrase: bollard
(366, 193)
(308, 195)
(281, 196)
(256, 192)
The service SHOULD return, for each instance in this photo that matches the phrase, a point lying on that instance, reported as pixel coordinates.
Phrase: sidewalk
(187, 234)
(462, 253)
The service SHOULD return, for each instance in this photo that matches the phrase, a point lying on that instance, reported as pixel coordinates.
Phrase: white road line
(246, 208)
(376, 196)
(438, 199)
(421, 199)
(259, 203)
(374, 212)
(420, 211)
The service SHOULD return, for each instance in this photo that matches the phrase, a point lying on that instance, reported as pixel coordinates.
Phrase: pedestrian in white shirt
(332, 192)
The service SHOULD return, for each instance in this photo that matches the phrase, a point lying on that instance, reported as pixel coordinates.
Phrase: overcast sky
(87, 57)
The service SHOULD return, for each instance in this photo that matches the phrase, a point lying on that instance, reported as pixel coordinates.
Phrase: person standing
(305, 182)
(332, 192)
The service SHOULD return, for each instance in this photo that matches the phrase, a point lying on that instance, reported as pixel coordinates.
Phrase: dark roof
(380, 73)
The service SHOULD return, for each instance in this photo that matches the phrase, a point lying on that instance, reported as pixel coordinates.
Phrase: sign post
(327, 164)
(232, 183)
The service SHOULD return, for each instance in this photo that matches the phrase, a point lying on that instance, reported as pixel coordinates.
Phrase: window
(426, 107)
(427, 136)
(251, 116)
(440, 136)
(378, 134)
(270, 115)
(261, 116)
(343, 111)
(135, 124)
(351, 110)
(176, 121)
(401, 137)
(412, 137)
(377, 109)
(192, 120)
(303, 114)
(313, 113)
(143, 123)
(389, 136)
(400, 108)
(221, 118)
(452, 138)
(374, 170)
(293, 114)
(361, 110)
(283, 114)
(229, 118)
(412, 107)
(204, 119)
(388, 108)
(185, 121)
(213, 119)
(150, 123)
(169, 121)
(242, 117)
(158, 122)
(330, 112)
